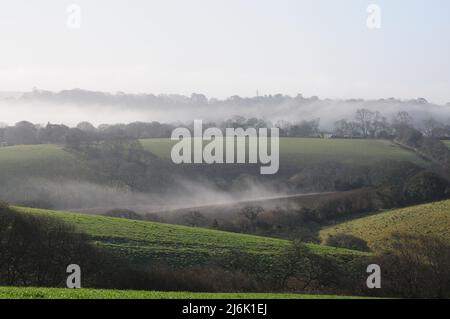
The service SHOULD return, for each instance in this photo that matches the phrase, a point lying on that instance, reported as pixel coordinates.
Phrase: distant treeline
(366, 124)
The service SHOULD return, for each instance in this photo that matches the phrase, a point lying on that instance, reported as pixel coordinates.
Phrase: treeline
(28, 133)
(370, 124)
(366, 124)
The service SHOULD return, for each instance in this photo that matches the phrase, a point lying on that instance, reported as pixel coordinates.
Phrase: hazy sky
(227, 47)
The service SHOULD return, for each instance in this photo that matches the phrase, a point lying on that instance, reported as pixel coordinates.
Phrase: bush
(426, 187)
(37, 250)
(347, 241)
(415, 267)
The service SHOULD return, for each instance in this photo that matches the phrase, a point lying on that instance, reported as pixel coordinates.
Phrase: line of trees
(369, 124)
(366, 124)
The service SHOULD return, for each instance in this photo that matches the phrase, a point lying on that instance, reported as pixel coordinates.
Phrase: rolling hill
(143, 241)
(427, 219)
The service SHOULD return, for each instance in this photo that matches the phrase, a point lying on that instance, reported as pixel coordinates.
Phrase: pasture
(296, 153)
(53, 162)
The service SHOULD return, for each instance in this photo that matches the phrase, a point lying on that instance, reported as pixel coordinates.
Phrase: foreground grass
(57, 293)
(429, 219)
(143, 241)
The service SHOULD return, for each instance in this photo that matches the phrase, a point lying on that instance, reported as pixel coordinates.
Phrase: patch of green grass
(429, 219)
(59, 293)
(447, 143)
(50, 161)
(143, 241)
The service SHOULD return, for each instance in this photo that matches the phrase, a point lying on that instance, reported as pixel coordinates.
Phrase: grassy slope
(447, 143)
(51, 161)
(180, 245)
(428, 219)
(54, 293)
(296, 152)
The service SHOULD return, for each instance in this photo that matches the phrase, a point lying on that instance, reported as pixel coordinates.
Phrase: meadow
(142, 241)
(43, 160)
(428, 219)
(298, 152)
(52, 161)
(59, 293)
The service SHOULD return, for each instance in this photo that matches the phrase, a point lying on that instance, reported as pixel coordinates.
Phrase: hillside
(427, 219)
(52, 161)
(55, 293)
(297, 152)
(143, 241)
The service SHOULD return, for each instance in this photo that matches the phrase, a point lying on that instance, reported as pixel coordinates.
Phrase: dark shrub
(426, 187)
(415, 267)
(36, 250)
(347, 241)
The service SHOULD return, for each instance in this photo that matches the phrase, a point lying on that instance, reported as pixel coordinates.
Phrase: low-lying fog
(74, 106)
(90, 197)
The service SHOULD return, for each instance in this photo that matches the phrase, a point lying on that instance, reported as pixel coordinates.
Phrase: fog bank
(74, 106)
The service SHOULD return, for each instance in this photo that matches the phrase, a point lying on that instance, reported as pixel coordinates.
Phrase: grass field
(143, 241)
(51, 161)
(38, 161)
(297, 152)
(55, 293)
(428, 219)
(447, 143)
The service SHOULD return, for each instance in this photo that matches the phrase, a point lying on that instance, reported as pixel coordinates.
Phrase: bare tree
(431, 127)
(364, 117)
(251, 213)
(194, 218)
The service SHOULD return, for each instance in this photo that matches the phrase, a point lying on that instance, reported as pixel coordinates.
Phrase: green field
(38, 161)
(52, 161)
(447, 143)
(297, 152)
(55, 293)
(143, 241)
(428, 219)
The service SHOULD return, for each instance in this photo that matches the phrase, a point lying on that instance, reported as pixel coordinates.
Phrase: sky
(226, 47)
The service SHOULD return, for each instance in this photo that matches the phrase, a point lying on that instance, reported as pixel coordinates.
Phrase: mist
(74, 106)
(86, 196)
